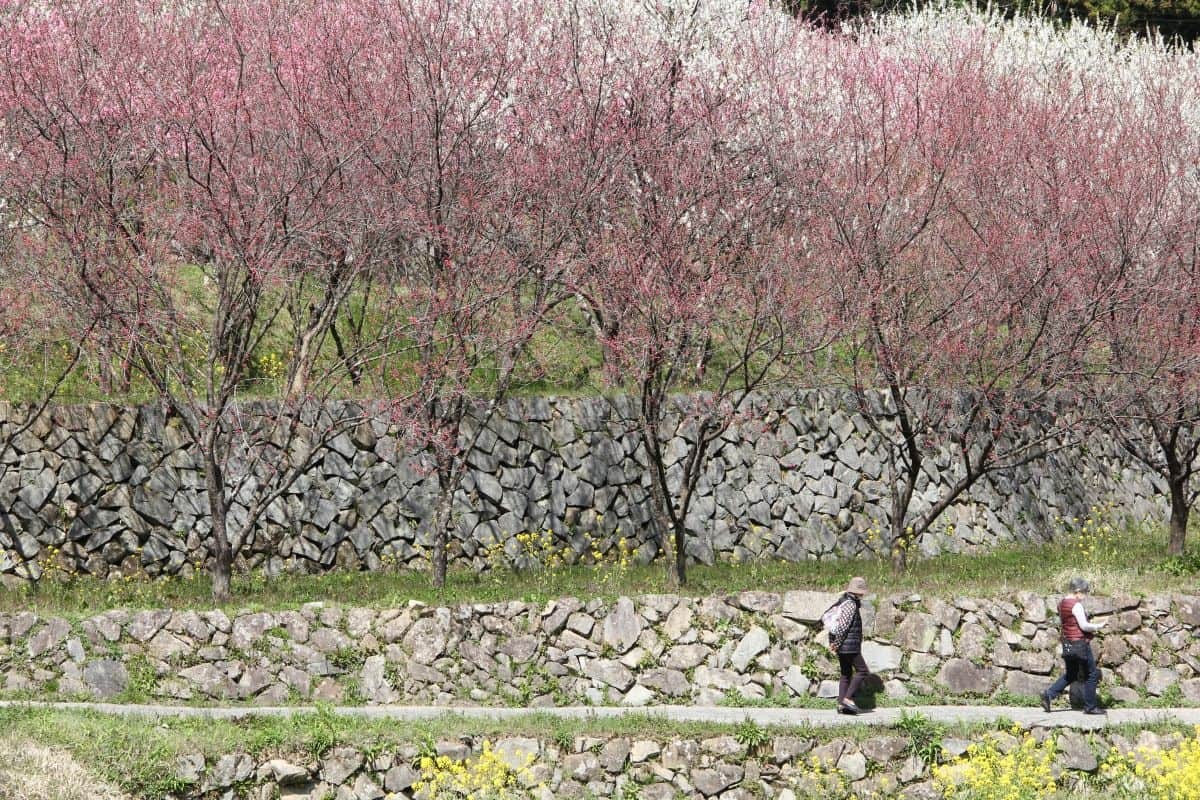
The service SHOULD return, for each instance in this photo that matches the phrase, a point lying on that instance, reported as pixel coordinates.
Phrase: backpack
(834, 621)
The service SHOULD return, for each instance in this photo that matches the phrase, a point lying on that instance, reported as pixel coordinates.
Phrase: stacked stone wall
(643, 651)
(652, 768)
(119, 490)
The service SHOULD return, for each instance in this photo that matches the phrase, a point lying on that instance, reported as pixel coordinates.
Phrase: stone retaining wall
(118, 489)
(654, 649)
(779, 768)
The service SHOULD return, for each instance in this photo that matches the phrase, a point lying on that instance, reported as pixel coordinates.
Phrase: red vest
(1071, 632)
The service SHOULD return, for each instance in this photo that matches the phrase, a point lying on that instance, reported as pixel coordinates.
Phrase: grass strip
(1131, 560)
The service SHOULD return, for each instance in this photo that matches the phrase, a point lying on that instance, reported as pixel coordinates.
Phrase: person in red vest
(1077, 653)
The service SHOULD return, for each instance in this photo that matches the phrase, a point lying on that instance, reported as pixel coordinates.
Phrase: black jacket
(851, 641)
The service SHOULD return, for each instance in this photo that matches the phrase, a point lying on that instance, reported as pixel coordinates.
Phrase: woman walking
(1080, 661)
(845, 638)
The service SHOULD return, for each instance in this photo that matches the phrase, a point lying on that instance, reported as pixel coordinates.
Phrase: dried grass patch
(30, 771)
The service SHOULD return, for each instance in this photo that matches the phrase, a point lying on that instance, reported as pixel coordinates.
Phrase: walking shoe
(1045, 702)
(1096, 710)
(848, 708)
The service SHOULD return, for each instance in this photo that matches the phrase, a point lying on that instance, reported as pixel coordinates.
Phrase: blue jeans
(1079, 668)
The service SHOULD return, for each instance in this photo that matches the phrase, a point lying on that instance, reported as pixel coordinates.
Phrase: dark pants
(854, 672)
(1084, 669)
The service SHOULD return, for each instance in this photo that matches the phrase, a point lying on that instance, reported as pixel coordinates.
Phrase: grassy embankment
(58, 755)
(1131, 560)
(563, 357)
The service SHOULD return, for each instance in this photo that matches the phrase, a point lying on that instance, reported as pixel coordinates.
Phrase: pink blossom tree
(264, 160)
(952, 229)
(463, 175)
(73, 179)
(158, 142)
(691, 263)
(1147, 231)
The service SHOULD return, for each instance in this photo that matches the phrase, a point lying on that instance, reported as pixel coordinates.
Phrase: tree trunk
(1179, 515)
(222, 552)
(127, 369)
(900, 538)
(680, 576)
(354, 368)
(904, 485)
(299, 369)
(104, 371)
(666, 533)
(222, 574)
(441, 525)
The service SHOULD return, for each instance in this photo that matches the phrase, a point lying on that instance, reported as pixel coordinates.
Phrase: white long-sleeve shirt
(1081, 618)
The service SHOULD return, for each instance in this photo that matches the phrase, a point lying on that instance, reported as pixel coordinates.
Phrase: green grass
(139, 755)
(562, 358)
(1130, 561)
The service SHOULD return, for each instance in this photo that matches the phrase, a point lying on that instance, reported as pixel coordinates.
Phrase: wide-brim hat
(857, 585)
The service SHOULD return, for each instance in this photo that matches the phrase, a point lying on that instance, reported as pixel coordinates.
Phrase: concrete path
(1025, 717)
